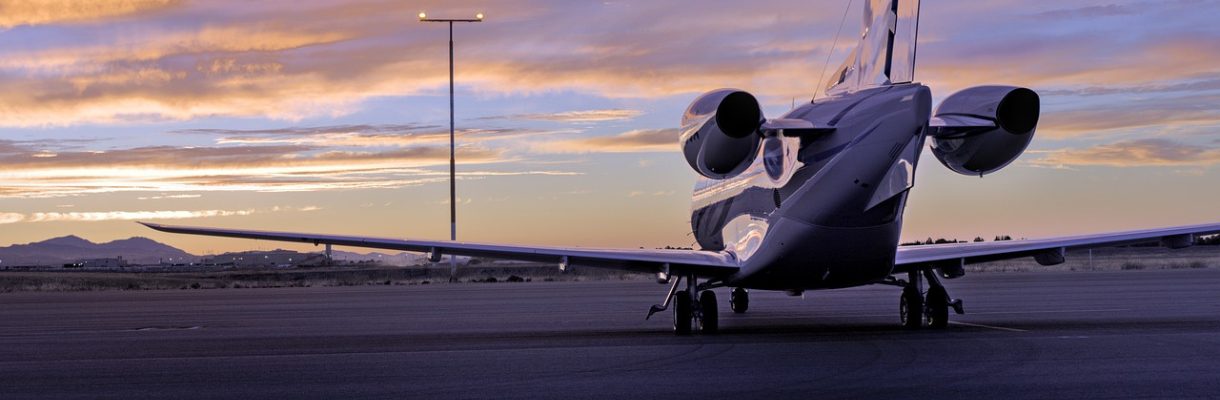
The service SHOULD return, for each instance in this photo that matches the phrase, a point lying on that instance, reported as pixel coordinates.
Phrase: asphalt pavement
(1123, 334)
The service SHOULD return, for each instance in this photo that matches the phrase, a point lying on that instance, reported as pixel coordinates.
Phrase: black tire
(682, 313)
(709, 319)
(937, 312)
(910, 308)
(739, 300)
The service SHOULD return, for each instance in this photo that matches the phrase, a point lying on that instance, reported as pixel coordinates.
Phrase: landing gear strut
(917, 308)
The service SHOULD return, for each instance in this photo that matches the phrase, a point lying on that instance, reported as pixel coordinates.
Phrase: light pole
(423, 17)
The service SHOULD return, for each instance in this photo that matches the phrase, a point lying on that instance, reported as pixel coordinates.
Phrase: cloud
(39, 12)
(172, 196)
(276, 159)
(364, 135)
(575, 116)
(175, 75)
(1165, 112)
(1085, 12)
(326, 58)
(101, 216)
(166, 169)
(1204, 85)
(12, 218)
(638, 193)
(170, 171)
(460, 200)
(131, 215)
(391, 129)
(1135, 153)
(636, 141)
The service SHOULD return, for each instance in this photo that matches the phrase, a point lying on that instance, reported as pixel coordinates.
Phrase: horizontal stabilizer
(958, 126)
(794, 127)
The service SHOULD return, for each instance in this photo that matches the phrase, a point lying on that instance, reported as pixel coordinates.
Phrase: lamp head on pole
(423, 17)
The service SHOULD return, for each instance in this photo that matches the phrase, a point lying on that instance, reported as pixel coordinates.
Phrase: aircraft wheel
(937, 312)
(910, 308)
(739, 300)
(682, 313)
(709, 320)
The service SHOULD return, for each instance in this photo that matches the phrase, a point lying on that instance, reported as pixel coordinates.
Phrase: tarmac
(1121, 334)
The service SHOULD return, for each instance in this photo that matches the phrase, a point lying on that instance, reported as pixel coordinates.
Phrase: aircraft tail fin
(885, 53)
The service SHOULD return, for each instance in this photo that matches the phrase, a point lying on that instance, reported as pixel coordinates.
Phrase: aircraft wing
(701, 263)
(1048, 251)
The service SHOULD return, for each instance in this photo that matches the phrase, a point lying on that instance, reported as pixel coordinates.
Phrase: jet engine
(984, 128)
(720, 136)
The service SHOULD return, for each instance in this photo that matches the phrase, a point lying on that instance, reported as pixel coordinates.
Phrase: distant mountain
(60, 250)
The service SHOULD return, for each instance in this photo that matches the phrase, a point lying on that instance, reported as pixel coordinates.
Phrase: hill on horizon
(141, 250)
(71, 248)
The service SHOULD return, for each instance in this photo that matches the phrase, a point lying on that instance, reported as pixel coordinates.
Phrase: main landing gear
(739, 300)
(691, 312)
(917, 308)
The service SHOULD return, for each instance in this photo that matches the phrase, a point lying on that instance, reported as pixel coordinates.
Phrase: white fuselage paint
(820, 211)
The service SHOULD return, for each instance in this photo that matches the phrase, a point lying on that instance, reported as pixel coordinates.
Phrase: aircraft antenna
(915, 40)
(833, 44)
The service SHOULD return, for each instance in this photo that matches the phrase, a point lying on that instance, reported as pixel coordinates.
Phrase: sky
(332, 116)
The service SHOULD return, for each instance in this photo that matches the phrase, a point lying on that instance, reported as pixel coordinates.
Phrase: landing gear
(739, 300)
(683, 314)
(917, 309)
(690, 311)
(910, 307)
(709, 320)
(937, 304)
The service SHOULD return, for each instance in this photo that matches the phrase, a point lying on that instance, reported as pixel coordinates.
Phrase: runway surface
(1130, 334)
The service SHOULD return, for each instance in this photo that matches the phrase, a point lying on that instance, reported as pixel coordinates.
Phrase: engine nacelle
(720, 136)
(1014, 112)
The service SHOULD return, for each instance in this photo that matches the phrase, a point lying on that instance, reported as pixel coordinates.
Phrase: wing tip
(158, 227)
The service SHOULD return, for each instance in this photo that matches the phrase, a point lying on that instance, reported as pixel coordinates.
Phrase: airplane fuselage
(820, 211)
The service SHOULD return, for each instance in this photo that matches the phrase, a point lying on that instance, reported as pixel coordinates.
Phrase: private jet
(815, 199)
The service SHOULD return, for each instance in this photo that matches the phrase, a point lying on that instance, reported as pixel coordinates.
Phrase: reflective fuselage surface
(820, 211)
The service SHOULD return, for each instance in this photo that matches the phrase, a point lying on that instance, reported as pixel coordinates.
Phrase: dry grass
(1115, 259)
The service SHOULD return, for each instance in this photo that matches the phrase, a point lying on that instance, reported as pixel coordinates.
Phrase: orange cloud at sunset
(1135, 153)
(636, 141)
(328, 58)
(197, 169)
(17, 13)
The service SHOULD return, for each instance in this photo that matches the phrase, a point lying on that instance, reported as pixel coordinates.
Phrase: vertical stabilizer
(885, 53)
(906, 36)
